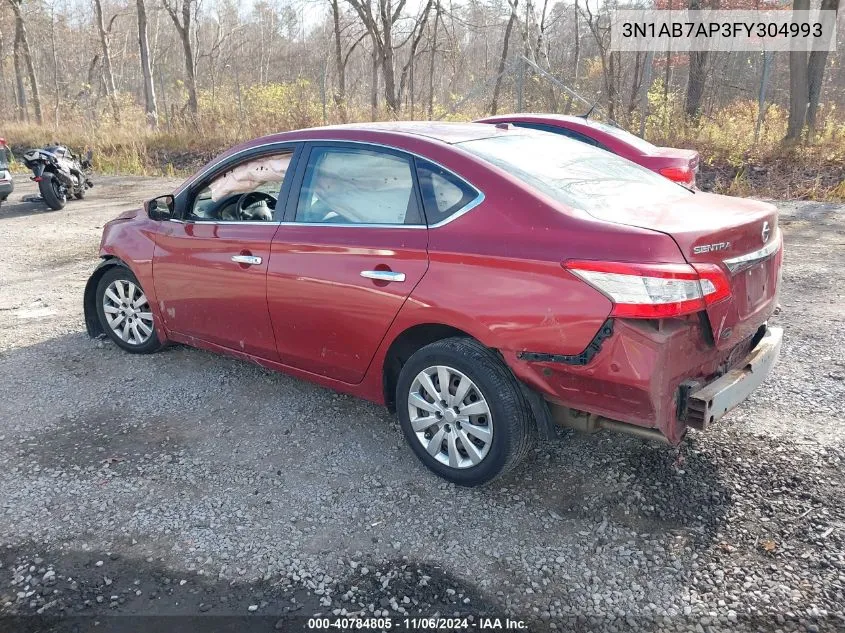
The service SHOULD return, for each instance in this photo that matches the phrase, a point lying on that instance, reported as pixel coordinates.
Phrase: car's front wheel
(125, 313)
(463, 412)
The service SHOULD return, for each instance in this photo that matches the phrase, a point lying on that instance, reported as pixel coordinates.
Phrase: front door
(210, 265)
(352, 251)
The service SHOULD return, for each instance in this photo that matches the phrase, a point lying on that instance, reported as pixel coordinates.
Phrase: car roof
(445, 132)
(406, 135)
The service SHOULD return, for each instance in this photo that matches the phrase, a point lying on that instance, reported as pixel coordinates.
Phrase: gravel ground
(192, 484)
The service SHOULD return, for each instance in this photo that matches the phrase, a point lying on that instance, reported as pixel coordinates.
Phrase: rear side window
(443, 193)
(563, 132)
(356, 186)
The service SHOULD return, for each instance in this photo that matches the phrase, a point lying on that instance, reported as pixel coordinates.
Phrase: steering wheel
(249, 199)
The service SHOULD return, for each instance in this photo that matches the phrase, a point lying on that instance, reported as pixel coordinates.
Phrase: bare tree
(341, 57)
(107, 67)
(340, 66)
(494, 105)
(180, 13)
(379, 20)
(22, 47)
(431, 61)
(608, 58)
(798, 86)
(150, 108)
(415, 37)
(19, 89)
(815, 74)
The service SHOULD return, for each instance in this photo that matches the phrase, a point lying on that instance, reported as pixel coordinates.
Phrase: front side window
(357, 186)
(443, 193)
(247, 192)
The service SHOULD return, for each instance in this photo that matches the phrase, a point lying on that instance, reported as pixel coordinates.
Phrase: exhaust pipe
(591, 423)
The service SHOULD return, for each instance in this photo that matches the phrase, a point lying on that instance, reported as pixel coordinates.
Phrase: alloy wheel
(450, 417)
(128, 312)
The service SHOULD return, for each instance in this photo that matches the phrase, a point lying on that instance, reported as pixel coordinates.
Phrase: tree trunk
(697, 75)
(798, 90)
(190, 70)
(798, 86)
(55, 56)
(815, 74)
(183, 27)
(388, 69)
(575, 61)
(20, 90)
(107, 69)
(340, 67)
(695, 83)
(374, 85)
(610, 84)
(636, 82)
(3, 99)
(431, 62)
(494, 106)
(150, 106)
(22, 41)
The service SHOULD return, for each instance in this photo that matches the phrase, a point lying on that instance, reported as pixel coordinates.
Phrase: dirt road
(124, 476)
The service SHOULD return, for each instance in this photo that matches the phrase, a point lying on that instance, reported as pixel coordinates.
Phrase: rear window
(575, 174)
(623, 135)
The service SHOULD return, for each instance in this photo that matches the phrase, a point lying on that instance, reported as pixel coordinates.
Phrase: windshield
(623, 135)
(576, 174)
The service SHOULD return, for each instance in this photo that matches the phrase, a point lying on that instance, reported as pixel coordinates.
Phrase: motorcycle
(59, 174)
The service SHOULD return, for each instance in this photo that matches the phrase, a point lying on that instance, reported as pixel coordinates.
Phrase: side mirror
(160, 208)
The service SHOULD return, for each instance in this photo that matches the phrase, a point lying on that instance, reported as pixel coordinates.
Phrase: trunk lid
(740, 236)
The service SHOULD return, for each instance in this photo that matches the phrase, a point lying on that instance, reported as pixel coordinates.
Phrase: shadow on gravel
(98, 438)
(645, 486)
(76, 592)
(16, 208)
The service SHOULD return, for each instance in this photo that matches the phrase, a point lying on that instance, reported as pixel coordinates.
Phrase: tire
(509, 427)
(115, 286)
(48, 188)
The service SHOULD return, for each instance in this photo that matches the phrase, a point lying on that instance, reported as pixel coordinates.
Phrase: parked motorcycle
(59, 174)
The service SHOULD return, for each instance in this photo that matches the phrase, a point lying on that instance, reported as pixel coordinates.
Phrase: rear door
(350, 251)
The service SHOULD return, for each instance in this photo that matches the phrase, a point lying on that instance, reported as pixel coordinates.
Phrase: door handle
(383, 275)
(249, 260)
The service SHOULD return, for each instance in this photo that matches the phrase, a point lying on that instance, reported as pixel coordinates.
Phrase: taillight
(654, 291)
(683, 175)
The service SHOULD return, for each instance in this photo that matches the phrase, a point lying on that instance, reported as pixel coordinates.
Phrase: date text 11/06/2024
(413, 624)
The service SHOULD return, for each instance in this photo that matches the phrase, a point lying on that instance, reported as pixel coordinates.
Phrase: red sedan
(678, 165)
(485, 283)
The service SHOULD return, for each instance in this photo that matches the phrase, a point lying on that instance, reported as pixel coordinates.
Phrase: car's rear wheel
(125, 313)
(463, 412)
(52, 191)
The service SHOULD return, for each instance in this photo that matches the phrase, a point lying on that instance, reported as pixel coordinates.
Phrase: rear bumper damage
(653, 379)
(709, 403)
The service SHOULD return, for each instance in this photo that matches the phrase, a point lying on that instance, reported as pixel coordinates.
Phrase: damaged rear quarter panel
(636, 375)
